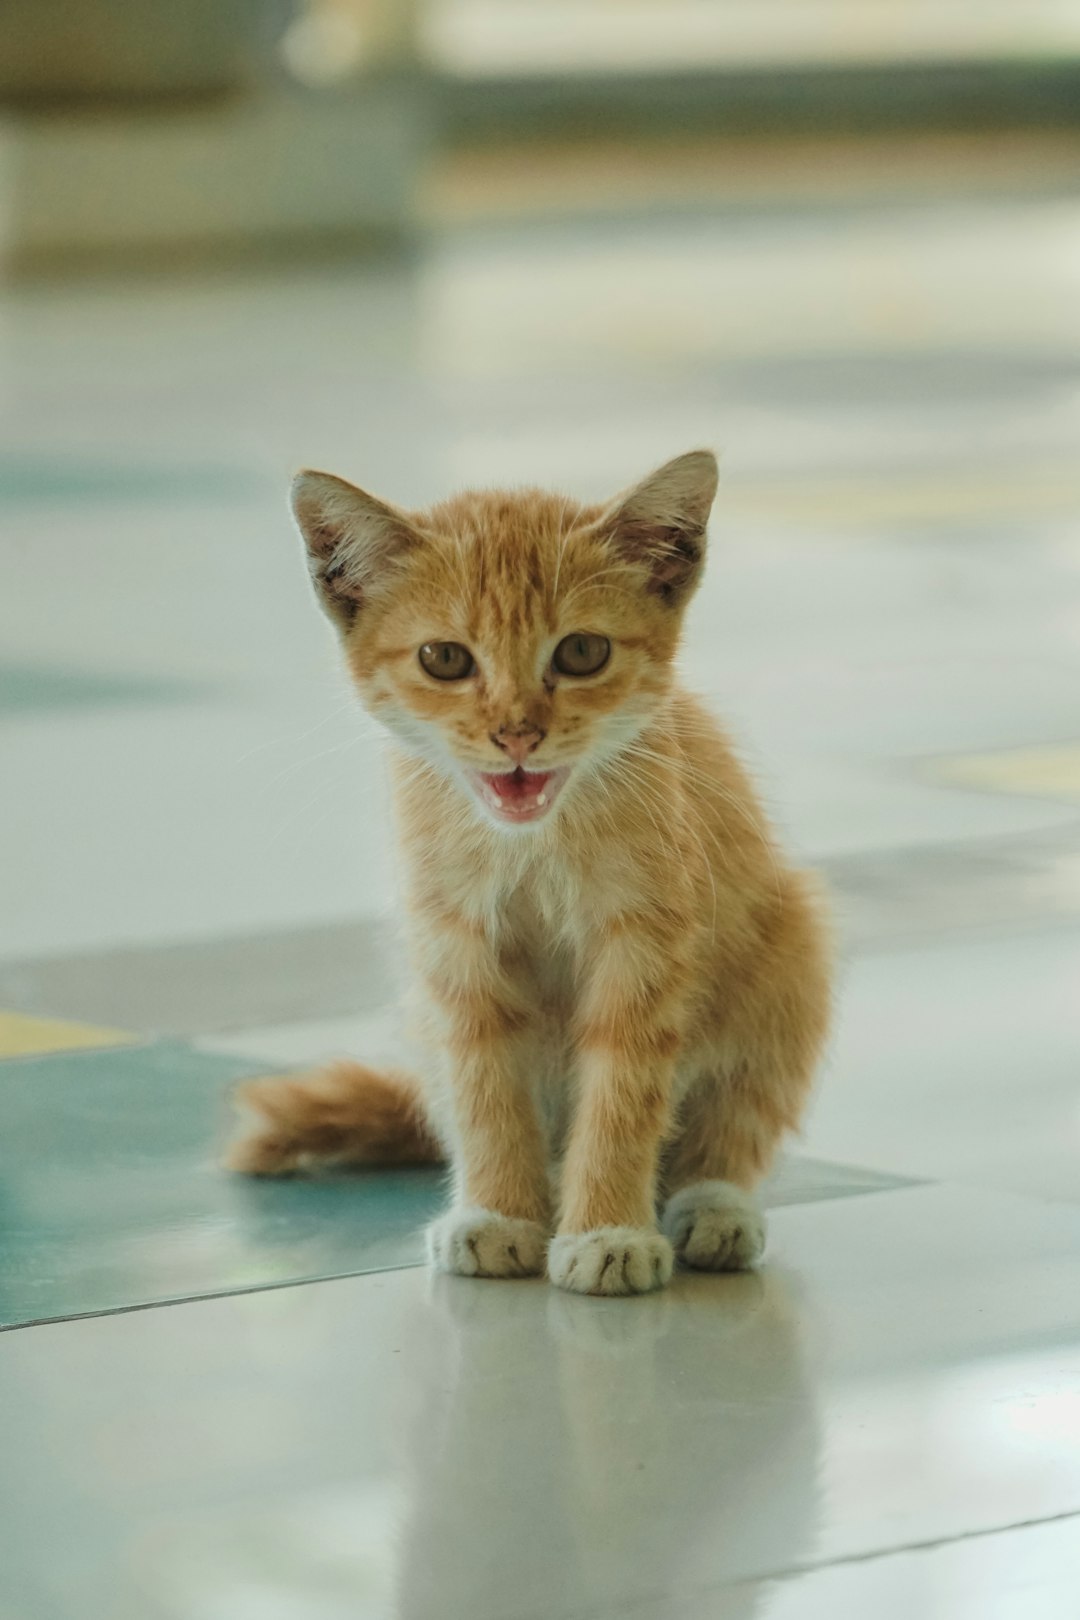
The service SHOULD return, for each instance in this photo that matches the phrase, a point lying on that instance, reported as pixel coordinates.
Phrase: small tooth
(498, 802)
(541, 798)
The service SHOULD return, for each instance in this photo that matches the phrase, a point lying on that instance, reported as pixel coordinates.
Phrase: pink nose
(517, 741)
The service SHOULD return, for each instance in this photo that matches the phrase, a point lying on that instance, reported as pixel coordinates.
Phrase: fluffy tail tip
(345, 1114)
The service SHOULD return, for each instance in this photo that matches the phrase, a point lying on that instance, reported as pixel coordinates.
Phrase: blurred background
(432, 243)
(429, 243)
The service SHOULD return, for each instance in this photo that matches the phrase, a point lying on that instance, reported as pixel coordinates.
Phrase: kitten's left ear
(660, 523)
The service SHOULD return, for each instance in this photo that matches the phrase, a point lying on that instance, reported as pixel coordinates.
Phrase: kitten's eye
(581, 654)
(447, 660)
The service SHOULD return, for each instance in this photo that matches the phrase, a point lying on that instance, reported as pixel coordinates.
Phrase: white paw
(610, 1260)
(481, 1243)
(715, 1226)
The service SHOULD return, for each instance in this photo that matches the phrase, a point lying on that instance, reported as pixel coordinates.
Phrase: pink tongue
(520, 787)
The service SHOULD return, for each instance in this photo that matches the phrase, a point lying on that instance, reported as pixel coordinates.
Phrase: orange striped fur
(624, 994)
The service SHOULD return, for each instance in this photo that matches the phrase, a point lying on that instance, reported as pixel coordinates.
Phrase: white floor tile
(157, 823)
(904, 1371)
(1031, 1573)
(958, 1060)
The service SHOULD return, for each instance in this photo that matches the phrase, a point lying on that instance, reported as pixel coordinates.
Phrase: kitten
(623, 988)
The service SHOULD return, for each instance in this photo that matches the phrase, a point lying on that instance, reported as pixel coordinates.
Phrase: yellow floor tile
(1042, 773)
(20, 1035)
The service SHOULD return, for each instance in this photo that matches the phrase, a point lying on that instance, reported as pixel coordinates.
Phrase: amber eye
(447, 660)
(581, 653)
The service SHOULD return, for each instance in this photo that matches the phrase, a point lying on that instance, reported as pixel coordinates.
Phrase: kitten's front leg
(499, 1224)
(630, 1021)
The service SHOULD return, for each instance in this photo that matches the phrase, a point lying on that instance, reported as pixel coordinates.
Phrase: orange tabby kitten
(624, 989)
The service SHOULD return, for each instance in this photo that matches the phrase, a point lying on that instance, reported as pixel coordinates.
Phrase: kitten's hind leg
(749, 1089)
(725, 1141)
(345, 1114)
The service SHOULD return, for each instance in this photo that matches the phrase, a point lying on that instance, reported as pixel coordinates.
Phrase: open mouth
(519, 795)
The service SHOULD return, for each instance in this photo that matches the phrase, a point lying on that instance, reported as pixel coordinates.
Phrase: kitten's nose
(518, 741)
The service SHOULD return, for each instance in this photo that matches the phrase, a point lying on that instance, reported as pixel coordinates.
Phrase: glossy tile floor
(231, 1402)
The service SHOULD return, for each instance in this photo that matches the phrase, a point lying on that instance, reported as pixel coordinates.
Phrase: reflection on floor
(197, 884)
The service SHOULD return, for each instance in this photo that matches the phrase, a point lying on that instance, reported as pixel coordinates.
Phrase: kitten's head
(514, 640)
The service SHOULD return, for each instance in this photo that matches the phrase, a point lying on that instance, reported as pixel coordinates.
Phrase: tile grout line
(797, 1572)
(932, 1544)
(208, 1298)
(373, 1271)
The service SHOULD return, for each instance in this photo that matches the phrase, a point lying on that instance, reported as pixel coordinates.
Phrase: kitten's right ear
(356, 543)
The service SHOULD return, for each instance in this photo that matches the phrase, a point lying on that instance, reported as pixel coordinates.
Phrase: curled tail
(343, 1114)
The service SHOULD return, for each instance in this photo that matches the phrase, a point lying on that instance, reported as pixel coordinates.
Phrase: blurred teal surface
(25, 688)
(32, 479)
(112, 1194)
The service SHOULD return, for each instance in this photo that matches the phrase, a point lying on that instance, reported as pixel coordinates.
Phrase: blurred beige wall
(134, 130)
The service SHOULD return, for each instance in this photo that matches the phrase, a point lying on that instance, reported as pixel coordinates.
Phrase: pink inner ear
(334, 581)
(324, 538)
(671, 554)
(675, 568)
